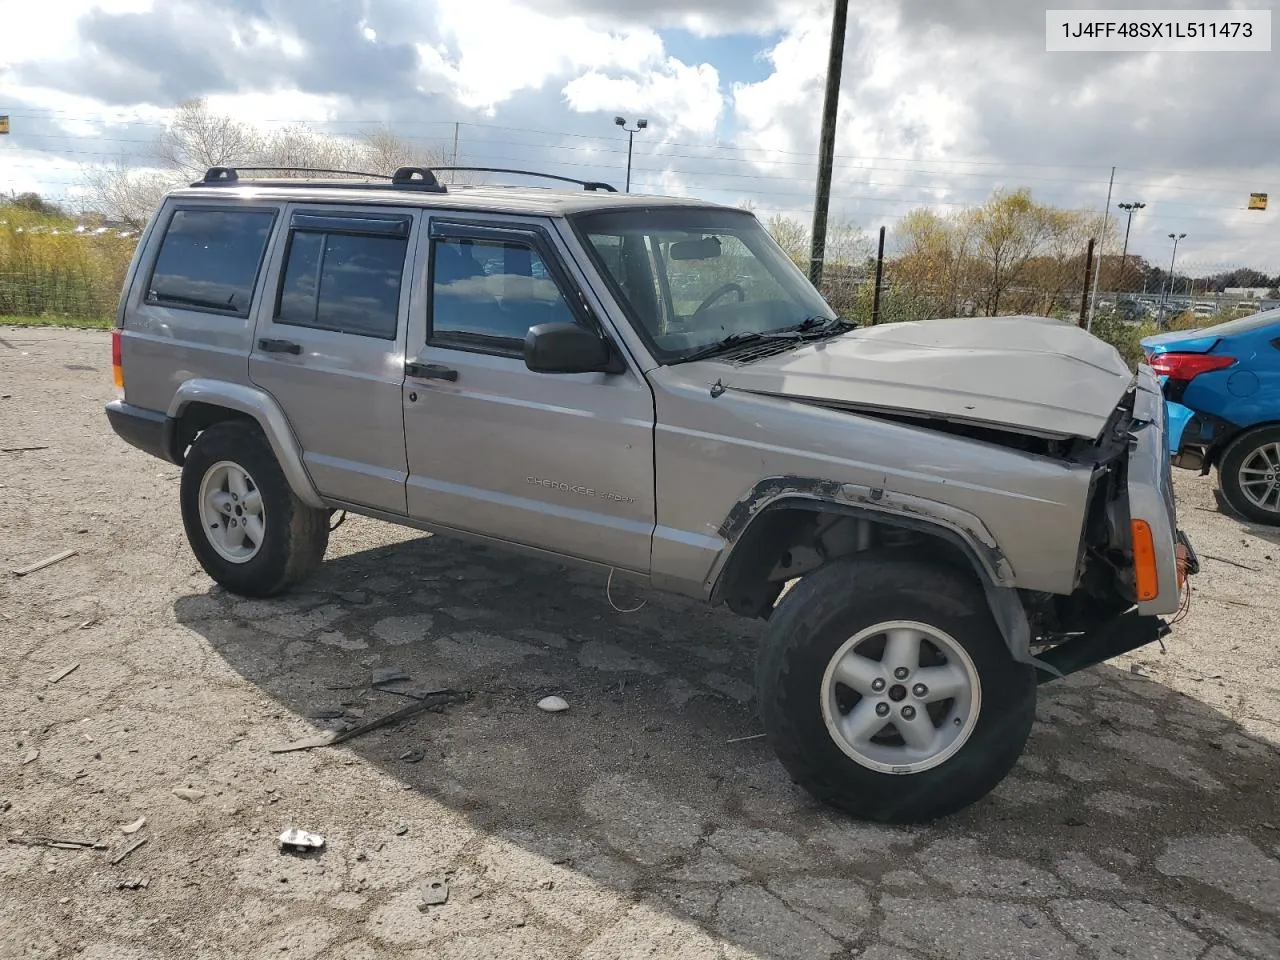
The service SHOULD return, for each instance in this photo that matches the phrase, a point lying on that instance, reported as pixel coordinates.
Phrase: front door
(562, 462)
(330, 345)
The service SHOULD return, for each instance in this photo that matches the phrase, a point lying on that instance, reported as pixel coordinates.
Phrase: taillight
(117, 368)
(1188, 366)
(1146, 578)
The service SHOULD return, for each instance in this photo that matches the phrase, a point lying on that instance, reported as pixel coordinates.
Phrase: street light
(1175, 237)
(631, 135)
(1127, 208)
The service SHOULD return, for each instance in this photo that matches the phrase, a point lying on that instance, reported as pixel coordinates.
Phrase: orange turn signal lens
(1146, 579)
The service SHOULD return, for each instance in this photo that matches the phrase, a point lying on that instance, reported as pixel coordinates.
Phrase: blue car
(1222, 392)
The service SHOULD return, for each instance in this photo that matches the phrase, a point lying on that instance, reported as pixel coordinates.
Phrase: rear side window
(209, 260)
(490, 292)
(342, 282)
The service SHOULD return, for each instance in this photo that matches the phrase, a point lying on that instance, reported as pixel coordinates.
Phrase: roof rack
(405, 178)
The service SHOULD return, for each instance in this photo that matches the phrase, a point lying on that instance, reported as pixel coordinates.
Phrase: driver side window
(488, 293)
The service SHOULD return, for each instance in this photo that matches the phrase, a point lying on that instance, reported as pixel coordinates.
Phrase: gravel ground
(1143, 821)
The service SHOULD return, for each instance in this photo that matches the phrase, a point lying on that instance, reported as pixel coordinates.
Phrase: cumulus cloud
(684, 98)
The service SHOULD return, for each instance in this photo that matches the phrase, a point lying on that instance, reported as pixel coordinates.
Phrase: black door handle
(430, 371)
(279, 346)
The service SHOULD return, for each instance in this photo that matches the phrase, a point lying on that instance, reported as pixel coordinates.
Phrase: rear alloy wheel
(1249, 475)
(245, 525)
(231, 507)
(887, 690)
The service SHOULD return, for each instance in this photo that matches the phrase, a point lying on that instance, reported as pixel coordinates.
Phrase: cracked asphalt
(1142, 822)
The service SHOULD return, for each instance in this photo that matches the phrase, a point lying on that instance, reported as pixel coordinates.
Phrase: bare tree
(847, 248)
(299, 146)
(1061, 268)
(385, 151)
(125, 194)
(197, 139)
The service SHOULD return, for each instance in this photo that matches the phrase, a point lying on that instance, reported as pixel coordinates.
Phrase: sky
(942, 101)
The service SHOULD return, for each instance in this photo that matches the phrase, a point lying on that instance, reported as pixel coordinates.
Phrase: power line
(740, 148)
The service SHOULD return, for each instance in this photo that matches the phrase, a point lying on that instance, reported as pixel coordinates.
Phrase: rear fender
(263, 408)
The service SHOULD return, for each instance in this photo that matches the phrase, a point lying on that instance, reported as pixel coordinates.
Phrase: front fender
(960, 527)
(877, 503)
(263, 408)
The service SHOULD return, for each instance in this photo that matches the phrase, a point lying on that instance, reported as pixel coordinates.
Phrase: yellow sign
(1257, 201)
(4, 124)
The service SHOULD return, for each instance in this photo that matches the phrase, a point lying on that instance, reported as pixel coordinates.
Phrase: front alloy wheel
(901, 697)
(886, 688)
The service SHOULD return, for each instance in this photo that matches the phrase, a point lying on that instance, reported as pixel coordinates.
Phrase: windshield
(690, 277)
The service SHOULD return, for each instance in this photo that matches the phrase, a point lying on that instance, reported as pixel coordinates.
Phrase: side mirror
(567, 348)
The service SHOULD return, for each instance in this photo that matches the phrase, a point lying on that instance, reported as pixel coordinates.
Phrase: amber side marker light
(1145, 577)
(117, 370)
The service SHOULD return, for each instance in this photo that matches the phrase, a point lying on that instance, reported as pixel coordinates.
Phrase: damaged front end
(1134, 562)
(1130, 562)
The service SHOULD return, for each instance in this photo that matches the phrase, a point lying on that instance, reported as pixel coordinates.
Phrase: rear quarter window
(209, 260)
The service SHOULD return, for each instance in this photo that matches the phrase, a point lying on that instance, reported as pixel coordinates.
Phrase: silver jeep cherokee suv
(933, 517)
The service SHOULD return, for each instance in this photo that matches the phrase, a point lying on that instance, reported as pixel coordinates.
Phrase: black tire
(1233, 458)
(833, 604)
(295, 536)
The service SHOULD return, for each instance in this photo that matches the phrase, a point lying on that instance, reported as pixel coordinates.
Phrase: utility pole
(827, 142)
(1106, 213)
(1128, 208)
(631, 136)
(1164, 307)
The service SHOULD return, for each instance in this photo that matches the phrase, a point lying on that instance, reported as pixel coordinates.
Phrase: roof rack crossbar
(585, 184)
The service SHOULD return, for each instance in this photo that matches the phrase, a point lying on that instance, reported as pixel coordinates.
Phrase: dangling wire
(341, 520)
(1184, 607)
(608, 594)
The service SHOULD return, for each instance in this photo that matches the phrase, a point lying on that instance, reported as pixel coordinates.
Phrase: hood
(1032, 375)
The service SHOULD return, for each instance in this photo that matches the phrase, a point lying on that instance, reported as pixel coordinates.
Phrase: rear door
(330, 342)
(561, 462)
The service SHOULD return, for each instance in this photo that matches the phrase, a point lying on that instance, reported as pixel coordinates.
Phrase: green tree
(1008, 230)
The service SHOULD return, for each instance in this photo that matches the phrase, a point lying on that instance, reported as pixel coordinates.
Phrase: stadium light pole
(631, 136)
(1128, 208)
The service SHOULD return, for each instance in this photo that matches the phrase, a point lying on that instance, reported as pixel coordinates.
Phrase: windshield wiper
(725, 343)
(810, 328)
(820, 326)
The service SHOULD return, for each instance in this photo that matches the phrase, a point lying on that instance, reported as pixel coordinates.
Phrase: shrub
(52, 265)
(1124, 335)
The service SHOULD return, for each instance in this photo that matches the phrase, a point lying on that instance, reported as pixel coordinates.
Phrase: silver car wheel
(901, 697)
(1259, 477)
(231, 511)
